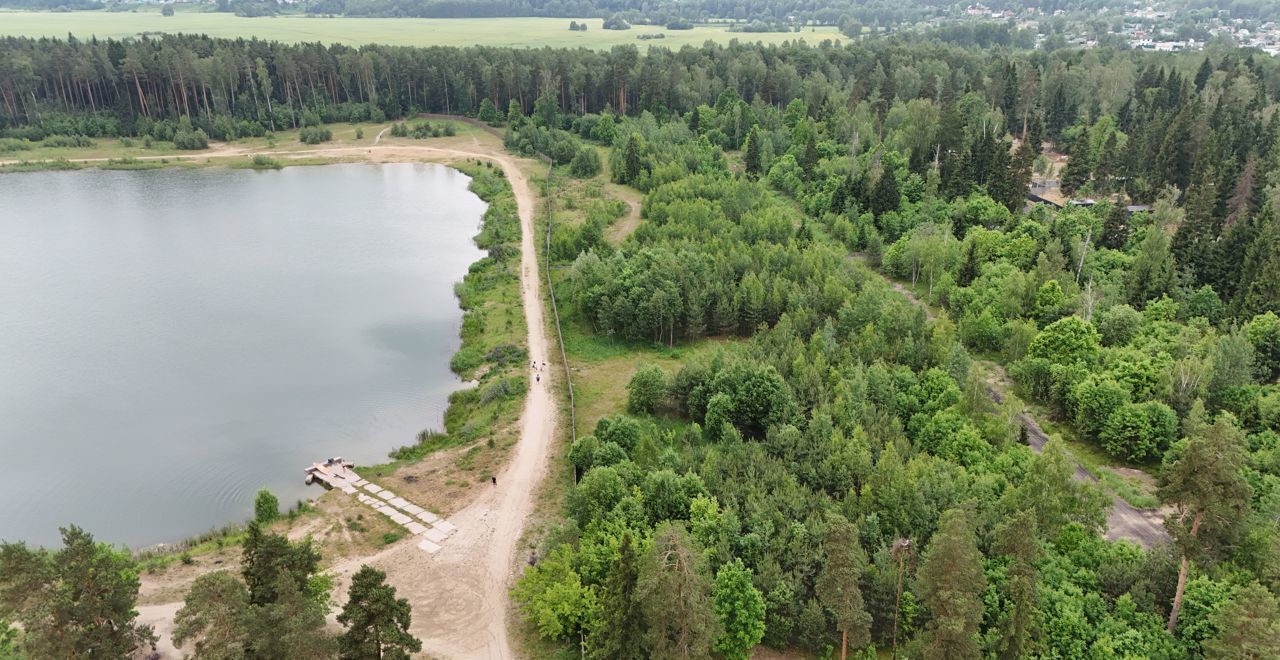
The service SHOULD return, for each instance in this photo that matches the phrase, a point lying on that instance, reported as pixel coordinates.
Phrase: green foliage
(1065, 341)
(314, 135)
(377, 622)
(266, 508)
(585, 164)
(951, 586)
(190, 140)
(1263, 331)
(675, 595)
(618, 632)
(646, 389)
(739, 610)
(1247, 626)
(837, 583)
(553, 598)
(489, 113)
(1094, 400)
(216, 616)
(62, 597)
(272, 566)
(1139, 431)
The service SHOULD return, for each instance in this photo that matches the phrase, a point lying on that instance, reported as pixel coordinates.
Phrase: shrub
(262, 162)
(266, 508)
(646, 390)
(12, 144)
(190, 140)
(585, 164)
(315, 135)
(1139, 431)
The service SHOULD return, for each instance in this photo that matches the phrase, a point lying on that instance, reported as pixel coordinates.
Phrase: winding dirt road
(459, 594)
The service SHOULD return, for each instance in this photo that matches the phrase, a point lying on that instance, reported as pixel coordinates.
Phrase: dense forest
(830, 470)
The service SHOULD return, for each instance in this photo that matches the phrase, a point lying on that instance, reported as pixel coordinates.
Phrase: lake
(173, 340)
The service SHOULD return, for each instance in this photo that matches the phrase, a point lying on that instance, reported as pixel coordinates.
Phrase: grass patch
(130, 163)
(56, 164)
(1128, 490)
(154, 559)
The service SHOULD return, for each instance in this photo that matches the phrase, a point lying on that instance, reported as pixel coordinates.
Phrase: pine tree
(1079, 165)
(969, 266)
(1260, 274)
(837, 583)
(1115, 228)
(377, 622)
(1193, 242)
(270, 561)
(618, 633)
(675, 596)
(76, 602)
(515, 115)
(216, 615)
(1017, 537)
(1202, 75)
(751, 159)
(885, 197)
(1209, 493)
(1248, 628)
(951, 586)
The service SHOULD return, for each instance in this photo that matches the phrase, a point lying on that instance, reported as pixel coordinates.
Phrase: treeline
(80, 600)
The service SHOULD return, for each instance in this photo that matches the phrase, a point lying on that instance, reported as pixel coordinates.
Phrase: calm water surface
(172, 341)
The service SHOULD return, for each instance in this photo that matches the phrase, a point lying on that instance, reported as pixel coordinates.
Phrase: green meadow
(531, 32)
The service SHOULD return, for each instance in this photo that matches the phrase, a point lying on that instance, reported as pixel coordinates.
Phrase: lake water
(171, 341)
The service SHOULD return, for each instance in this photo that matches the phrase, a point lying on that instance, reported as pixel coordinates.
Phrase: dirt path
(459, 595)
(1142, 526)
(626, 225)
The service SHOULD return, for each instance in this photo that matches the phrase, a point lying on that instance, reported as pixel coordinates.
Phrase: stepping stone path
(432, 530)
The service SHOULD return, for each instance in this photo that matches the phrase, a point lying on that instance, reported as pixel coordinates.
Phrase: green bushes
(190, 140)
(315, 135)
(423, 130)
(13, 144)
(264, 162)
(1140, 431)
(585, 164)
(266, 508)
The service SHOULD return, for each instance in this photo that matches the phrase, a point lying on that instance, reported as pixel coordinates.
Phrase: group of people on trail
(537, 373)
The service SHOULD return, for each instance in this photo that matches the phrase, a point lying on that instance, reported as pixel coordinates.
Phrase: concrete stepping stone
(399, 503)
(385, 510)
(445, 526)
(399, 518)
(360, 482)
(412, 509)
(415, 528)
(435, 535)
(350, 490)
(427, 517)
(430, 547)
(387, 495)
(372, 488)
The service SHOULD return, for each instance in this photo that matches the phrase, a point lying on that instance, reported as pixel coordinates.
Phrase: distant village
(1145, 26)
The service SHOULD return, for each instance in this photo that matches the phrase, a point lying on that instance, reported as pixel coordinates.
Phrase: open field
(531, 32)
